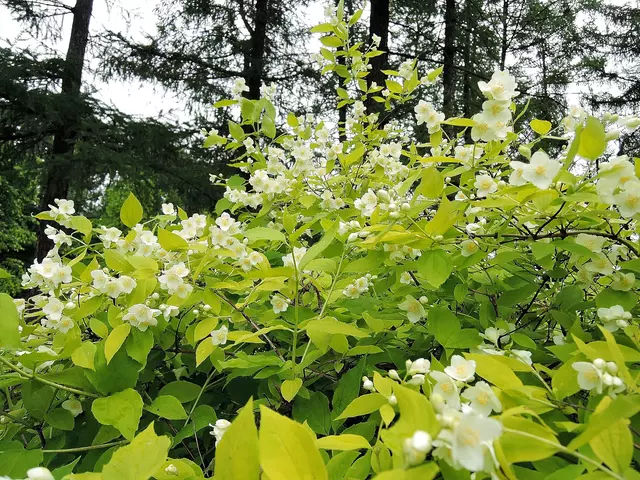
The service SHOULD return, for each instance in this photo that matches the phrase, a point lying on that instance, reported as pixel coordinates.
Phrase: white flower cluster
(426, 113)
(54, 315)
(493, 123)
(58, 237)
(51, 272)
(62, 211)
(383, 200)
(598, 375)
(141, 316)
(114, 287)
(172, 280)
(219, 428)
(359, 286)
(614, 317)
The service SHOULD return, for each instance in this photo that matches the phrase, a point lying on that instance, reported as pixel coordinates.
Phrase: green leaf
(435, 266)
(121, 410)
(99, 328)
(9, 333)
(416, 412)
(131, 211)
(592, 139)
(527, 447)
(237, 453)
(139, 460)
(315, 411)
(331, 41)
(343, 442)
(81, 224)
(37, 398)
(614, 445)
(166, 406)
(540, 126)
(236, 131)
(60, 418)
(268, 127)
(289, 388)
(264, 233)
(204, 349)
(442, 323)
(287, 449)
(494, 371)
(83, 355)
(115, 340)
(292, 120)
(115, 261)
(427, 471)
(170, 241)
(183, 391)
(364, 405)
(15, 460)
(224, 103)
(348, 388)
(319, 247)
(139, 344)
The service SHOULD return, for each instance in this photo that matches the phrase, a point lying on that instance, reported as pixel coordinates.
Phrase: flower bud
(437, 401)
(438, 238)
(39, 473)
(599, 363)
(206, 308)
(367, 384)
(353, 237)
(421, 441)
(70, 306)
(612, 135)
(405, 207)
(155, 296)
(612, 368)
(417, 379)
(394, 375)
(524, 151)
(423, 300)
(607, 379)
(617, 382)
(392, 400)
(171, 470)
(196, 312)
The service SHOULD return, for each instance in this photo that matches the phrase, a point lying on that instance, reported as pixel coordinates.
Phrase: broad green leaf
(364, 405)
(264, 233)
(315, 411)
(140, 459)
(592, 139)
(121, 410)
(99, 328)
(536, 443)
(319, 247)
(183, 391)
(170, 241)
(290, 388)
(60, 418)
(237, 453)
(442, 323)
(540, 126)
(131, 211)
(9, 333)
(435, 266)
(287, 449)
(166, 406)
(139, 344)
(614, 445)
(494, 371)
(83, 356)
(203, 350)
(115, 340)
(426, 471)
(37, 398)
(342, 442)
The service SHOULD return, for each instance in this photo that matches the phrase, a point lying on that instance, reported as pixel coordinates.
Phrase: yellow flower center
(470, 437)
(541, 169)
(483, 398)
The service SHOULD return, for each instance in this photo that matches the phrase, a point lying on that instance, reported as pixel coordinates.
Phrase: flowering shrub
(387, 309)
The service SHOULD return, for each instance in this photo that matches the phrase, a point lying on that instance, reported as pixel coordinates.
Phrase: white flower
(592, 242)
(589, 376)
(461, 369)
(220, 427)
(421, 365)
(601, 264)
(65, 324)
(73, 405)
(472, 437)
(298, 253)
(425, 113)
(416, 446)
(623, 281)
(628, 201)
(63, 207)
(53, 309)
(485, 185)
(446, 388)
(415, 310)
(168, 209)
(482, 399)
(367, 203)
(239, 86)
(523, 355)
(39, 473)
(279, 303)
(541, 170)
(141, 316)
(405, 278)
(502, 86)
(368, 384)
(614, 317)
(219, 337)
(170, 311)
(468, 248)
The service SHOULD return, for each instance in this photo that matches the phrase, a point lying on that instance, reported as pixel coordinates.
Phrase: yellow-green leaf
(290, 388)
(131, 211)
(166, 406)
(540, 126)
(204, 349)
(592, 139)
(121, 410)
(288, 450)
(116, 338)
(237, 453)
(140, 459)
(364, 405)
(170, 241)
(9, 333)
(494, 371)
(84, 354)
(99, 328)
(345, 441)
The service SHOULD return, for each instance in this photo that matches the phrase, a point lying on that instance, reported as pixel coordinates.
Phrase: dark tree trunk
(378, 25)
(468, 48)
(255, 73)
(449, 53)
(56, 182)
(504, 43)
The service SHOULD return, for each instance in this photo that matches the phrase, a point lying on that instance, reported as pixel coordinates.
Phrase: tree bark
(378, 25)
(449, 53)
(56, 182)
(255, 72)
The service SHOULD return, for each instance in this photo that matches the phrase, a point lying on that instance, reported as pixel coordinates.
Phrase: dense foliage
(366, 308)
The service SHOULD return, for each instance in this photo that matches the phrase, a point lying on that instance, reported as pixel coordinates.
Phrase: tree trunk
(504, 44)
(56, 182)
(449, 53)
(258, 42)
(378, 25)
